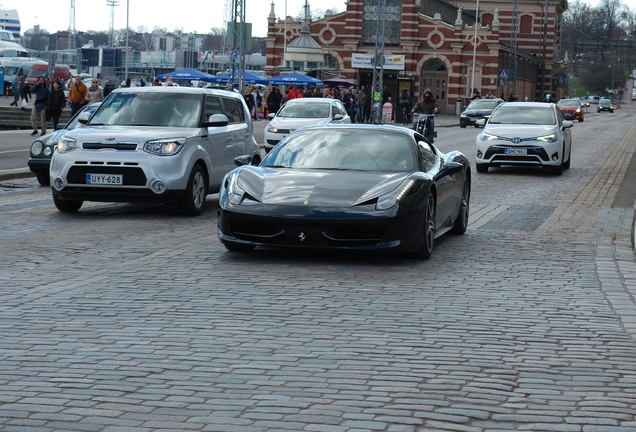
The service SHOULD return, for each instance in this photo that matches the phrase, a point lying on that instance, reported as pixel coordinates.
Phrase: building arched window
(331, 62)
(434, 65)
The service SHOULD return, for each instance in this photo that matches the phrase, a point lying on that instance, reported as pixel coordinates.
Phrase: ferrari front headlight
(235, 193)
(387, 201)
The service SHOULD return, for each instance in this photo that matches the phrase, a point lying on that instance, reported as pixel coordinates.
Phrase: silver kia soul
(153, 144)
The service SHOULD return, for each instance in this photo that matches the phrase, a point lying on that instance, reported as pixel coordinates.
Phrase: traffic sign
(234, 54)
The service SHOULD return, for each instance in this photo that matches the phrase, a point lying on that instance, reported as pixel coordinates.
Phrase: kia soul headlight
(66, 145)
(164, 147)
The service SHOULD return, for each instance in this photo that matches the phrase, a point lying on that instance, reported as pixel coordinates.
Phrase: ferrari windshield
(344, 149)
(150, 109)
(539, 114)
(305, 109)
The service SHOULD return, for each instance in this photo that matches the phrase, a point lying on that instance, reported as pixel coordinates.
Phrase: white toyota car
(525, 133)
(301, 112)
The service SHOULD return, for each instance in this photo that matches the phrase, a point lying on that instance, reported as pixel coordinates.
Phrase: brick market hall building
(506, 48)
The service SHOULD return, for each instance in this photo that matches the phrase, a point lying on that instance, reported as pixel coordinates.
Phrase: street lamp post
(472, 81)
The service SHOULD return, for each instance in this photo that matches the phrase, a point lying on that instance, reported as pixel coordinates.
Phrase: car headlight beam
(36, 148)
(488, 137)
(66, 145)
(164, 147)
(548, 138)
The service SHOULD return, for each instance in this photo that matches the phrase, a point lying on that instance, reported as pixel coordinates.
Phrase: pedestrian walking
(57, 102)
(77, 94)
(95, 92)
(361, 102)
(41, 95)
(15, 91)
(25, 94)
(274, 100)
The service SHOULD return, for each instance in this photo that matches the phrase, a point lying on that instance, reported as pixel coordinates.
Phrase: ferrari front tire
(461, 223)
(428, 228)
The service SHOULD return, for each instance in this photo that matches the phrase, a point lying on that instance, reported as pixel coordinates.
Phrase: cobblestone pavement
(132, 318)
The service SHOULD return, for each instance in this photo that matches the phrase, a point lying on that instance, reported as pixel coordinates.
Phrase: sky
(96, 14)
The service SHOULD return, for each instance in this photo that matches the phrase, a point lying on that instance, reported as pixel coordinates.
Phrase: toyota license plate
(516, 151)
(105, 179)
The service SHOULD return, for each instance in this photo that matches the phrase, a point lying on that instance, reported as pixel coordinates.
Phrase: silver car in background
(153, 144)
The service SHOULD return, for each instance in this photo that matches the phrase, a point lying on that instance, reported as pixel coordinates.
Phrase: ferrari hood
(324, 188)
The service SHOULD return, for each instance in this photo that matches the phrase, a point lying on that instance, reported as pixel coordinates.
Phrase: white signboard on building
(365, 61)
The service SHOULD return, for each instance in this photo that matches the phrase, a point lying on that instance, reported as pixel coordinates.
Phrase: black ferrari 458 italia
(346, 187)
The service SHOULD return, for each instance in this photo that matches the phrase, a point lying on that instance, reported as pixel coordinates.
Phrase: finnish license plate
(105, 179)
(516, 151)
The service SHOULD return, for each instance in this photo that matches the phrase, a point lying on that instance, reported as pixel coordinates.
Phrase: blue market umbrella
(295, 79)
(187, 75)
(250, 78)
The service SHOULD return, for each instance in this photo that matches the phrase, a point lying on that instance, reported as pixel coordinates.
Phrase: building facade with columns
(506, 48)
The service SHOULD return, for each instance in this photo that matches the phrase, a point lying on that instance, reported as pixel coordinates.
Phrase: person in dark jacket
(41, 95)
(57, 102)
(273, 100)
(108, 87)
(427, 105)
(25, 93)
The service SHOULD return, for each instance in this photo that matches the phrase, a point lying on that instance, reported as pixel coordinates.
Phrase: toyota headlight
(548, 138)
(488, 137)
(66, 145)
(164, 147)
(387, 201)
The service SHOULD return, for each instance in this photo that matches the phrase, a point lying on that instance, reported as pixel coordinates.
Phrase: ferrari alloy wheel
(428, 229)
(67, 206)
(191, 204)
(461, 223)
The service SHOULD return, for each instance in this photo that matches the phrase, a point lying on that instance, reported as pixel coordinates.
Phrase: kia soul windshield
(150, 109)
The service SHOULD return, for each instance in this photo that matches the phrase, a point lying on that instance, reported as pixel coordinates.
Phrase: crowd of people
(359, 102)
(51, 97)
